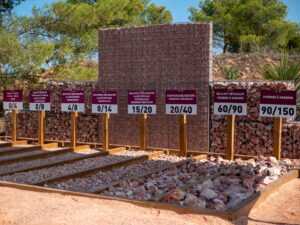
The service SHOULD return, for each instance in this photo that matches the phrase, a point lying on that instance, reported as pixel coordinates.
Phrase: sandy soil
(19, 207)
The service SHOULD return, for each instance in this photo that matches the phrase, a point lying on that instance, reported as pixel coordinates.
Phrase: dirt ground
(19, 207)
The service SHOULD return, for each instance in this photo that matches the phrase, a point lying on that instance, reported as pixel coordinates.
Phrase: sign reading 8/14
(104, 102)
(72, 101)
(230, 102)
(39, 100)
(277, 104)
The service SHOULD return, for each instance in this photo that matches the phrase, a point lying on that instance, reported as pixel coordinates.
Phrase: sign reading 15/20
(140, 102)
(278, 104)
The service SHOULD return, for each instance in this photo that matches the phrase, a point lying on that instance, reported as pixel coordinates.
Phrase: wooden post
(230, 137)
(41, 134)
(277, 134)
(106, 131)
(14, 126)
(74, 116)
(143, 131)
(183, 135)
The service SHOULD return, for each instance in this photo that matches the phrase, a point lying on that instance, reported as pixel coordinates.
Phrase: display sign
(72, 101)
(140, 102)
(277, 104)
(104, 102)
(230, 102)
(181, 102)
(13, 99)
(39, 100)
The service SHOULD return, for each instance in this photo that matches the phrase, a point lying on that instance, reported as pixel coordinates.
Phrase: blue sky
(179, 8)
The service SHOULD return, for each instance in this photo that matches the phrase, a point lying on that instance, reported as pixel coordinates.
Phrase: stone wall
(158, 58)
(254, 134)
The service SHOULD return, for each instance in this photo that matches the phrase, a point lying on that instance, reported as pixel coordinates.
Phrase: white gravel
(36, 176)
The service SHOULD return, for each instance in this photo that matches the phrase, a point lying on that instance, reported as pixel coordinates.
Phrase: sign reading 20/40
(181, 102)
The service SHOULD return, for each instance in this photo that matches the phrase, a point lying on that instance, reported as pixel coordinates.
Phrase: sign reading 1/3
(72, 101)
(104, 102)
(39, 100)
(181, 102)
(277, 104)
(13, 99)
(230, 102)
(140, 102)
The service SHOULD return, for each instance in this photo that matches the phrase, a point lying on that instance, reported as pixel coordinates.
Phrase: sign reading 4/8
(13, 99)
(72, 101)
(277, 104)
(230, 102)
(39, 100)
(104, 102)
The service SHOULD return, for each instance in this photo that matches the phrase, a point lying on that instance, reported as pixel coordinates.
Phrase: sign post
(142, 103)
(277, 104)
(105, 102)
(13, 101)
(230, 103)
(183, 103)
(39, 100)
(73, 101)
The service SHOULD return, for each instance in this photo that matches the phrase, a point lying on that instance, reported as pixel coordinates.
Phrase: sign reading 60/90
(181, 102)
(277, 104)
(140, 102)
(230, 102)
(72, 101)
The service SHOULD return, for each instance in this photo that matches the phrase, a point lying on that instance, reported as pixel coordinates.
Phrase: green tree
(6, 6)
(246, 23)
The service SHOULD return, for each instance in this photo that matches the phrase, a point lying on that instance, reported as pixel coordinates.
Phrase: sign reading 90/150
(278, 104)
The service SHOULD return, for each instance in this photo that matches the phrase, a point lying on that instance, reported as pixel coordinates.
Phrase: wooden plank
(32, 155)
(183, 135)
(277, 134)
(74, 116)
(230, 137)
(41, 129)
(14, 126)
(105, 131)
(46, 165)
(143, 131)
(16, 150)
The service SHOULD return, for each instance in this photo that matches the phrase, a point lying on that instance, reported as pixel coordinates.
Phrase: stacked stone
(254, 134)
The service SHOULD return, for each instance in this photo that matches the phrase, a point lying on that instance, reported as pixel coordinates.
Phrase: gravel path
(38, 162)
(102, 179)
(36, 176)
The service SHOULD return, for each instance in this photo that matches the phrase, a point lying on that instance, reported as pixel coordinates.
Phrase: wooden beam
(183, 135)
(41, 130)
(14, 126)
(230, 137)
(143, 131)
(277, 134)
(74, 116)
(106, 131)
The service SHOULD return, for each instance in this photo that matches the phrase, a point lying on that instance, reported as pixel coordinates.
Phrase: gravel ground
(102, 179)
(38, 162)
(215, 184)
(36, 176)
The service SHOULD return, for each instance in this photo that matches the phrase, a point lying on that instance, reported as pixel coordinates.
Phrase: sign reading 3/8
(72, 101)
(39, 100)
(104, 102)
(277, 104)
(13, 99)
(181, 102)
(140, 102)
(230, 102)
